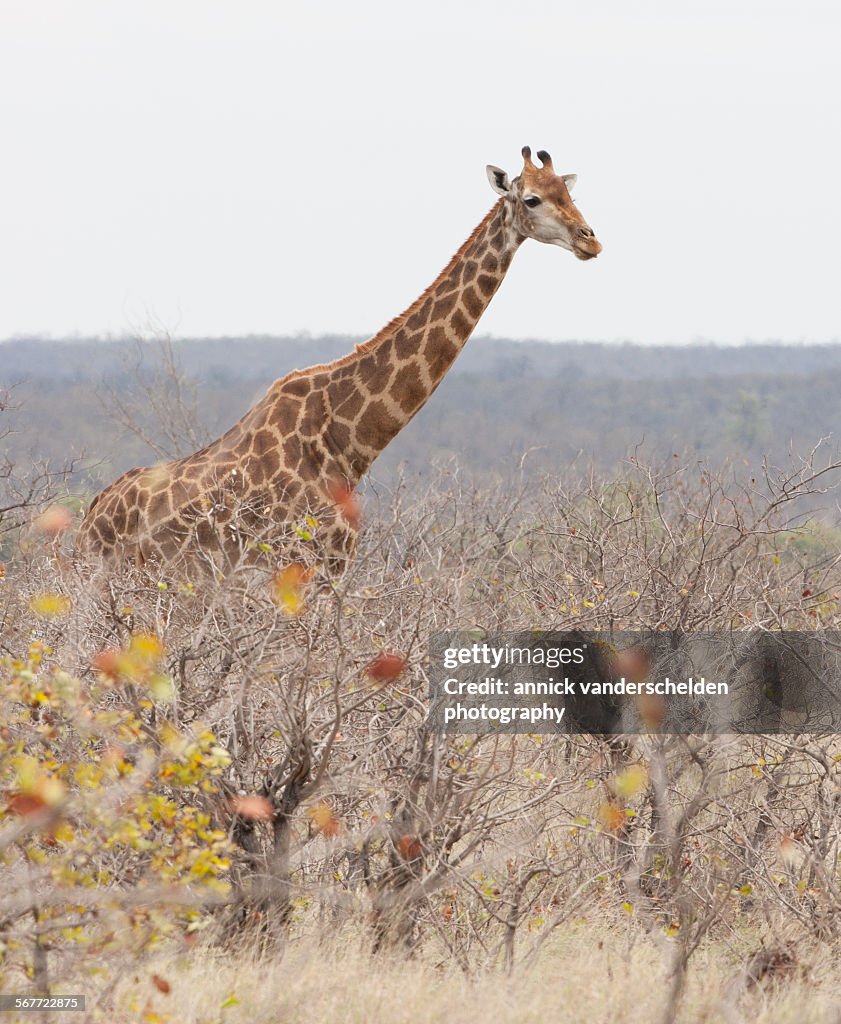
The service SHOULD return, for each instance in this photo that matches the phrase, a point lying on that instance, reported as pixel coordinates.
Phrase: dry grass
(589, 974)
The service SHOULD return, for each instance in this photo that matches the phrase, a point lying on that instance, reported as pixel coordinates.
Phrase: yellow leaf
(50, 606)
(631, 781)
(288, 588)
(162, 688)
(147, 646)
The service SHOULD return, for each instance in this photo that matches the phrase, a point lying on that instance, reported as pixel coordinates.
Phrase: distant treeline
(562, 401)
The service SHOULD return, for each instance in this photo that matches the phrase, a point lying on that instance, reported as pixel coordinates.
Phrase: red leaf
(25, 804)
(409, 847)
(161, 984)
(385, 668)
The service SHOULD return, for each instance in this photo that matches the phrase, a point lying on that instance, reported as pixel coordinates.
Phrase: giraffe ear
(499, 180)
(570, 180)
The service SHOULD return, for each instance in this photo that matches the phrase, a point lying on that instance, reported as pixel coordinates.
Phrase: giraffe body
(302, 449)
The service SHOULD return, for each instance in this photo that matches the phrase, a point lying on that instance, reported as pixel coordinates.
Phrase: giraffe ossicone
(302, 449)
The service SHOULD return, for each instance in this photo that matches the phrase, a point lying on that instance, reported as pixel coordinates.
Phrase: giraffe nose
(586, 232)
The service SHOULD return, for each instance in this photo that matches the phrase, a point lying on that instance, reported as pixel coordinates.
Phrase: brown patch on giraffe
(299, 386)
(339, 392)
(440, 352)
(120, 518)
(420, 316)
(337, 436)
(181, 495)
(405, 344)
(254, 473)
(309, 466)
(376, 426)
(408, 388)
(367, 366)
(377, 370)
(351, 405)
(106, 531)
(445, 287)
(490, 263)
(271, 463)
(487, 284)
(460, 324)
(158, 505)
(346, 371)
(284, 417)
(170, 529)
(471, 302)
(292, 450)
(191, 472)
(262, 442)
(385, 354)
(285, 488)
(314, 415)
(443, 307)
(205, 534)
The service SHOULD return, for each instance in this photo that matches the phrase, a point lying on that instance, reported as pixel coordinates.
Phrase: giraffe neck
(376, 390)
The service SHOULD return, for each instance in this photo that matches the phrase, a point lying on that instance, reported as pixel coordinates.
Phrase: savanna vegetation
(221, 800)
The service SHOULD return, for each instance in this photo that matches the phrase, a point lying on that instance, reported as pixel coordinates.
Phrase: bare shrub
(343, 812)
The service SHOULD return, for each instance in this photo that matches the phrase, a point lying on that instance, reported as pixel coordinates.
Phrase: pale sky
(273, 167)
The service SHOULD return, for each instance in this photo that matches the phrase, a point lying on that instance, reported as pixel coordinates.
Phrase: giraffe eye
(532, 201)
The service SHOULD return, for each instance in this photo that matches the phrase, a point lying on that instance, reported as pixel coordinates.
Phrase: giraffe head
(542, 207)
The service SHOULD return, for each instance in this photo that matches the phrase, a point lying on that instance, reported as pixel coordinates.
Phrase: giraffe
(302, 449)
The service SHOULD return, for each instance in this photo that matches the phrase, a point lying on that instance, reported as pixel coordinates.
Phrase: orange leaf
(161, 984)
(253, 807)
(652, 709)
(613, 818)
(107, 662)
(346, 500)
(288, 588)
(324, 819)
(634, 663)
(55, 519)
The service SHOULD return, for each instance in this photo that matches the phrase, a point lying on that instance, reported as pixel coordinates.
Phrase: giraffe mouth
(587, 249)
